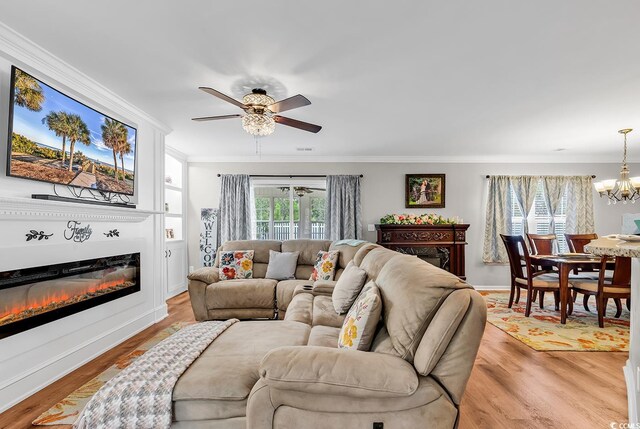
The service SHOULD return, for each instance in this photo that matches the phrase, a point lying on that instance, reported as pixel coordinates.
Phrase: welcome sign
(208, 236)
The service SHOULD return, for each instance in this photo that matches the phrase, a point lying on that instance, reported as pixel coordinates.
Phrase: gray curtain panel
(497, 220)
(554, 187)
(343, 216)
(235, 207)
(580, 205)
(524, 189)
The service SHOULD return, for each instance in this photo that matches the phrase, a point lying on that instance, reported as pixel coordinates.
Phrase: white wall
(383, 192)
(32, 359)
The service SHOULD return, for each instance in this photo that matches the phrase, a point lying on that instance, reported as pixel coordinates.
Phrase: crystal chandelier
(259, 120)
(625, 188)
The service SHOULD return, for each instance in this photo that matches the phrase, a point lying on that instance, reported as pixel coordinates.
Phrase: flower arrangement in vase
(423, 219)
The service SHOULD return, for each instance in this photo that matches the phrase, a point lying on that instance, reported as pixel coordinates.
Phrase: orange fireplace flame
(61, 298)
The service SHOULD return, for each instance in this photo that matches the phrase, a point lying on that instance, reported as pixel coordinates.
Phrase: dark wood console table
(440, 245)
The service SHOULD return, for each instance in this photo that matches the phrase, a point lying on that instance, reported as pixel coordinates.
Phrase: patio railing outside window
(281, 231)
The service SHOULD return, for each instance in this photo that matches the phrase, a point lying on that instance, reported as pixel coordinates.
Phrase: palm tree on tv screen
(113, 134)
(58, 122)
(28, 92)
(123, 149)
(78, 132)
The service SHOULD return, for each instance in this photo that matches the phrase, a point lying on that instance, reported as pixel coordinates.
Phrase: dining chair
(541, 244)
(526, 276)
(577, 242)
(617, 288)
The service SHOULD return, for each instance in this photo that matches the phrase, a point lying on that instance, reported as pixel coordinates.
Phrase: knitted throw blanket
(140, 397)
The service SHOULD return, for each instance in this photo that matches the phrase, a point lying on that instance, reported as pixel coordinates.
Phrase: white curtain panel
(343, 216)
(498, 220)
(524, 190)
(554, 188)
(580, 205)
(235, 207)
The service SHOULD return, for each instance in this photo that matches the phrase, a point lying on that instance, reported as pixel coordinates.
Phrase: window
(286, 210)
(538, 219)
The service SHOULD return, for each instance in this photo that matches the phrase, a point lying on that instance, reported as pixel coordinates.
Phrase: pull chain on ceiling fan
(262, 112)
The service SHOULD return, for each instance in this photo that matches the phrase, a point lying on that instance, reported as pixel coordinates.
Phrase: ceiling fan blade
(297, 124)
(222, 96)
(289, 103)
(213, 118)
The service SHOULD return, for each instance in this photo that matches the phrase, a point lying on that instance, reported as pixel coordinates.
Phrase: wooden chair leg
(535, 295)
(585, 302)
(529, 301)
(575, 295)
(541, 299)
(570, 310)
(556, 298)
(601, 304)
(629, 304)
(618, 302)
(513, 291)
(517, 294)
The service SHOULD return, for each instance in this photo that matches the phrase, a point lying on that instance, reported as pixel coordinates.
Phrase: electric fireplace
(34, 296)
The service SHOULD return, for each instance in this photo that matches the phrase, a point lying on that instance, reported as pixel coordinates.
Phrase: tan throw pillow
(325, 266)
(359, 327)
(237, 264)
(348, 287)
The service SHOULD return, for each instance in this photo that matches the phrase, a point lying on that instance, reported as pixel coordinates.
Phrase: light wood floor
(512, 385)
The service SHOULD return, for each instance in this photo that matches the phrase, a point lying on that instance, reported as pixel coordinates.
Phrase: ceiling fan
(262, 112)
(301, 190)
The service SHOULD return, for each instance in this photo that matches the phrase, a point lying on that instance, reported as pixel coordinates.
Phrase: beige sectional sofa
(258, 297)
(289, 374)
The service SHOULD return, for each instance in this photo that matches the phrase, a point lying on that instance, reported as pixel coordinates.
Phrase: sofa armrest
(327, 371)
(323, 287)
(206, 275)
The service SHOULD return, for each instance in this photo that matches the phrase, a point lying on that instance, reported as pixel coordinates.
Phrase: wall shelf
(28, 208)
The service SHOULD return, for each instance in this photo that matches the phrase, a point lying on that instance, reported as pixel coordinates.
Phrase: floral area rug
(543, 331)
(66, 411)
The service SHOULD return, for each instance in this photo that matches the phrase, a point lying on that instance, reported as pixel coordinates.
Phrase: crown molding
(504, 159)
(30, 55)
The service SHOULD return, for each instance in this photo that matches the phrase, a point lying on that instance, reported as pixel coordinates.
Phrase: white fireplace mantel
(12, 208)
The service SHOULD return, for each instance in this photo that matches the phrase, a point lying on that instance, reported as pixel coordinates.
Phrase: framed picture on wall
(425, 191)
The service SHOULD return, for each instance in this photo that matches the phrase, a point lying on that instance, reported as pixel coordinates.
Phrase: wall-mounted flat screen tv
(54, 138)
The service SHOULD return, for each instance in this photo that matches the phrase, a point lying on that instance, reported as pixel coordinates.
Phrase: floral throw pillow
(325, 266)
(359, 327)
(236, 265)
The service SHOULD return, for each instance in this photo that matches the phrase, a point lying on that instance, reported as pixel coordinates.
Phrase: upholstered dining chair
(576, 243)
(528, 278)
(617, 288)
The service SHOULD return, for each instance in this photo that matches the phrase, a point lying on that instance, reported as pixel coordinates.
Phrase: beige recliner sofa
(289, 374)
(213, 299)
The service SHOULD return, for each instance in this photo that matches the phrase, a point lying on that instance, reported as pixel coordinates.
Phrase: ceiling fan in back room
(262, 112)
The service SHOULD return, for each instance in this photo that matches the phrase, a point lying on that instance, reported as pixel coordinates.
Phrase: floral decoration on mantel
(423, 219)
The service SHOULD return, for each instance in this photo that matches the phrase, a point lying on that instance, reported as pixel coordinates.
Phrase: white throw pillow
(282, 265)
(359, 327)
(348, 287)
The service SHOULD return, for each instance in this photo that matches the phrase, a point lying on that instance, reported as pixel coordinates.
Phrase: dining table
(565, 263)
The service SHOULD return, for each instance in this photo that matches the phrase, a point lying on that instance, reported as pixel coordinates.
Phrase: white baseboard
(65, 360)
(631, 393)
(490, 287)
(177, 291)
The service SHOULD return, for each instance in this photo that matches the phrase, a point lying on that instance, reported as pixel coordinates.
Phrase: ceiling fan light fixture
(258, 125)
(257, 99)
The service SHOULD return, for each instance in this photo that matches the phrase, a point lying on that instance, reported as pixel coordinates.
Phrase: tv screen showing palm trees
(54, 138)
